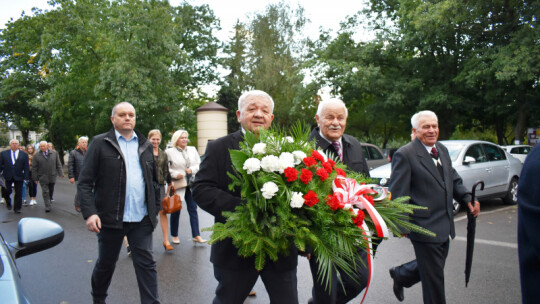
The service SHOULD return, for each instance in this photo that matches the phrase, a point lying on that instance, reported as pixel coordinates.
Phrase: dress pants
(17, 199)
(45, 192)
(428, 268)
(235, 285)
(139, 235)
(32, 188)
(340, 290)
(193, 216)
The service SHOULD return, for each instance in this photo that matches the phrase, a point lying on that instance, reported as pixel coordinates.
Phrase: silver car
(476, 160)
(374, 155)
(33, 235)
(518, 151)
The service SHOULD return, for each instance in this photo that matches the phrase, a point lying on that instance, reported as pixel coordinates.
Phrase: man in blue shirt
(119, 195)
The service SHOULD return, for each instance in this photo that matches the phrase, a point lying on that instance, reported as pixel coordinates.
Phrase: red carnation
(340, 172)
(309, 161)
(328, 167)
(370, 199)
(310, 199)
(359, 219)
(331, 162)
(317, 156)
(305, 176)
(321, 172)
(334, 202)
(291, 174)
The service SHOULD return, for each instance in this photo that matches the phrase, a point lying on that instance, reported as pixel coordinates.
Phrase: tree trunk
(521, 127)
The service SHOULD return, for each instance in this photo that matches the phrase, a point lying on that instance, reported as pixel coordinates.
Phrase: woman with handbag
(183, 165)
(162, 165)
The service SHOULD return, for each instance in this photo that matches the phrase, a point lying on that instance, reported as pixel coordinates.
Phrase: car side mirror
(35, 235)
(469, 160)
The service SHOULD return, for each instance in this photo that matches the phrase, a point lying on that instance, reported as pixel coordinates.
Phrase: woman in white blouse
(183, 165)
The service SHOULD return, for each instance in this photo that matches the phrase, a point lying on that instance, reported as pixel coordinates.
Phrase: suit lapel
(426, 161)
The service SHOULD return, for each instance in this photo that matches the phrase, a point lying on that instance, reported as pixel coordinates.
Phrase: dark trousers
(139, 236)
(235, 285)
(32, 188)
(17, 199)
(428, 268)
(340, 290)
(193, 216)
(51, 190)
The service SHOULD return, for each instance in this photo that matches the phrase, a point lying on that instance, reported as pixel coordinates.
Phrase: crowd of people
(122, 178)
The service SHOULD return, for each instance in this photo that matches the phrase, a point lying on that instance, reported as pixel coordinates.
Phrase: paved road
(62, 274)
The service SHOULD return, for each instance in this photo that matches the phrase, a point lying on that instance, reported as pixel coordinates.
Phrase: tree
(265, 54)
(21, 74)
(95, 54)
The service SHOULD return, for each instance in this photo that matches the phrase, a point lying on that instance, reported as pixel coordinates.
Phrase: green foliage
(266, 227)
(90, 55)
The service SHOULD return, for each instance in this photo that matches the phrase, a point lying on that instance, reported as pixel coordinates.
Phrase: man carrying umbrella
(423, 171)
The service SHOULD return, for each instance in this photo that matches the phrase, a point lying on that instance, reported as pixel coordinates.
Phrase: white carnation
(259, 148)
(269, 190)
(286, 160)
(289, 139)
(298, 157)
(297, 200)
(270, 163)
(252, 165)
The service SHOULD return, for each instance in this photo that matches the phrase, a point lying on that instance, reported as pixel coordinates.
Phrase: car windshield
(453, 149)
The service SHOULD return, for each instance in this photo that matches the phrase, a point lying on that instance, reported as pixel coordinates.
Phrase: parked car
(475, 160)
(518, 151)
(373, 155)
(33, 235)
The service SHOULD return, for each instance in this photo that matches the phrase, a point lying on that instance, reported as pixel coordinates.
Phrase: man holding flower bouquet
(329, 135)
(237, 275)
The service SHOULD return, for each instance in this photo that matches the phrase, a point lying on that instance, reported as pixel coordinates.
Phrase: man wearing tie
(15, 169)
(332, 119)
(423, 171)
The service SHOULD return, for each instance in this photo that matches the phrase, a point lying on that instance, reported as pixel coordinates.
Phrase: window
(494, 153)
(476, 152)
(374, 153)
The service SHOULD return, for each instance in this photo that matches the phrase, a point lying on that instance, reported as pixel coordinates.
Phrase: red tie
(434, 153)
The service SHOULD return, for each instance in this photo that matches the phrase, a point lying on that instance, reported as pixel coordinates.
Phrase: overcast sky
(327, 14)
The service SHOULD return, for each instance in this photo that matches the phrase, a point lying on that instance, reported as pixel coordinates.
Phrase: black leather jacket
(102, 181)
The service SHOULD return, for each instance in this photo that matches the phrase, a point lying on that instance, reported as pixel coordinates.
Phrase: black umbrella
(471, 230)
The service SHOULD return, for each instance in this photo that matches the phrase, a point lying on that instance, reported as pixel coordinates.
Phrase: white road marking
(488, 242)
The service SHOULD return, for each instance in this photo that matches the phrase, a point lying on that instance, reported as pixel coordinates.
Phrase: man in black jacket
(332, 120)
(237, 275)
(75, 164)
(119, 195)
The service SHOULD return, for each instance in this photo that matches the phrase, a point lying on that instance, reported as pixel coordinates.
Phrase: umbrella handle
(481, 183)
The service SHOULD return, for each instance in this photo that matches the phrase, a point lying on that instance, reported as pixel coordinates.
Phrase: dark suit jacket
(353, 156)
(210, 191)
(19, 171)
(415, 174)
(529, 227)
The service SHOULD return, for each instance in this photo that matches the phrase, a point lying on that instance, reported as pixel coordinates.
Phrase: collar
(118, 135)
(330, 142)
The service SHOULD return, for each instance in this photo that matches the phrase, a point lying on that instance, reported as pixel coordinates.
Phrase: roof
(212, 106)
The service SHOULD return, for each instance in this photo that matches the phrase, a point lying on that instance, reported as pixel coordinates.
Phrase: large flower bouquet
(296, 194)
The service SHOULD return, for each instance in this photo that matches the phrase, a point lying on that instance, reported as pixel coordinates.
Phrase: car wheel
(456, 206)
(511, 195)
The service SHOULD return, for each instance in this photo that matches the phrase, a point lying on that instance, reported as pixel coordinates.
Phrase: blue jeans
(193, 217)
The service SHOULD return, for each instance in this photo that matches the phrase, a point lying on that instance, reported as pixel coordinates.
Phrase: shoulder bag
(172, 202)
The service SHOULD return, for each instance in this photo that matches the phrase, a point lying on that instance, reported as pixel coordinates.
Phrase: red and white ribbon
(351, 194)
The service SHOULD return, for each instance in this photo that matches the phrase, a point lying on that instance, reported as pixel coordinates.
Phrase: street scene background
(62, 273)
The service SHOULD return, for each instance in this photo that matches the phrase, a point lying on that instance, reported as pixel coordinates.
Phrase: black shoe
(17, 211)
(398, 289)
(310, 301)
(47, 209)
